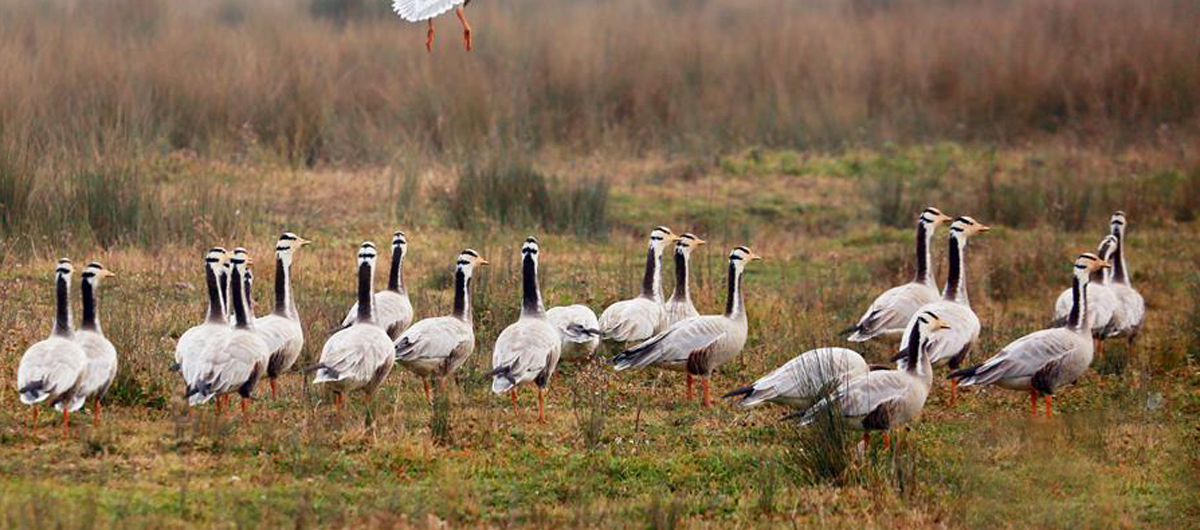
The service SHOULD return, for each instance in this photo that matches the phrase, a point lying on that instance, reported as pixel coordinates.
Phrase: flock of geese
(232, 350)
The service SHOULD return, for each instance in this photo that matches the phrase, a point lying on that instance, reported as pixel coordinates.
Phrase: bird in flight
(418, 10)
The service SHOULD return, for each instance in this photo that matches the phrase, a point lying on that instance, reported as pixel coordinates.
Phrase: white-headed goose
(438, 346)
(884, 399)
(892, 310)
(680, 306)
(52, 370)
(528, 349)
(953, 345)
(802, 380)
(101, 354)
(1102, 303)
(580, 330)
(427, 10)
(699, 345)
(235, 360)
(640, 318)
(1131, 308)
(1046, 360)
(281, 329)
(393, 310)
(358, 357)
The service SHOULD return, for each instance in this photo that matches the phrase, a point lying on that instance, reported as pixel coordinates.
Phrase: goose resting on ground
(52, 370)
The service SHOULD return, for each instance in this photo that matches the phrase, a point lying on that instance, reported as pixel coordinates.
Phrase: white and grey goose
(52, 370)
(197, 338)
(1130, 310)
(281, 329)
(953, 345)
(393, 310)
(358, 357)
(1102, 302)
(101, 354)
(804, 379)
(699, 345)
(891, 311)
(527, 350)
(1044, 361)
(884, 399)
(680, 306)
(640, 318)
(579, 328)
(234, 361)
(438, 346)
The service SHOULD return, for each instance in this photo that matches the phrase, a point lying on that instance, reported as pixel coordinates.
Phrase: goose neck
(62, 302)
(682, 290)
(1078, 319)
(924, 239)
(652, 281)
(243, 318)
(462, 295)
(396, 271)
(531, 295)
(735, 306)
(956, 278)
(91, 314)
(366, 294)
(285, 305)
(215, 283)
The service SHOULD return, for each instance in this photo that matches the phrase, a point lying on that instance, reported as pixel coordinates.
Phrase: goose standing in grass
(699, 345)
(884, 399)
(197, 338)
(281, 329)
(358, 357)
(640, 318)
(892, 310)
(101, 354)
(1047, 360)
(393, 310)
(1101, 301)
(580, 330)
(801, 381)
(1131, 308)
(419, 10)
(52, 370)
(437, 347)
(527, 350)
(953, 345)
(680, 306)
(237, 358)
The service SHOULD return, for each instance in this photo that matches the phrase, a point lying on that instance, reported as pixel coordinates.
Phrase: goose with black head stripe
(393, 310)
(101, 354)
(529, 349)
(699, 345)
(1047, 360)
(953, 345)
(1130, 311)
(882, 400)
(52, 370)
(640, 318)
(438, 346)
(361, 356)
(680, 306)
(281, 329)
(892, 310)
(1102, 302)
(197, 338)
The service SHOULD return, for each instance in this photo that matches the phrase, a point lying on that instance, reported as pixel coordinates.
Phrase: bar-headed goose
(358, 357)
(101, 354)
(1101, 301)
(884, 399)
(953, 345)
(281, 329)
(580, 330)
(53, 369)
(680, 306)
(427, 10)
(528, 349)
(393, 310)
(699, 345)
(237, 358)
(437, 347)
(640, 318)
(892, 310)
(197, 338)
(1046, 360)
(1130, 310)
(802, 380)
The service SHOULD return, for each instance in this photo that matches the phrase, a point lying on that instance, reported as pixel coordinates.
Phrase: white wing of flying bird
(419, 10)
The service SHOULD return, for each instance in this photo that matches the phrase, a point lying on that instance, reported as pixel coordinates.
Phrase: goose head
(659, 237)
(64, 269)
(468, 259)
(686, 243)
(287, 246)
(966, 227)
(94, 272)
(1087, 263)
(529, 249)
(216, 259)
(740, 256)
(1118, 223)
(367, 254)
(932, 218)
(1107, 247)
(400, 243)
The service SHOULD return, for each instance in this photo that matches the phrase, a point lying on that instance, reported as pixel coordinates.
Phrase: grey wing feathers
(676, 344)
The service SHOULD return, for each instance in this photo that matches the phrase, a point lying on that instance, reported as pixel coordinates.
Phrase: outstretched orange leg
(429, 38)
(462, 17)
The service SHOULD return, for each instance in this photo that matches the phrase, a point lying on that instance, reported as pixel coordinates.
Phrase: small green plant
(821, 452)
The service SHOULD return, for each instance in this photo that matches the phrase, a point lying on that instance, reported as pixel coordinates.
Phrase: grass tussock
(515, 194)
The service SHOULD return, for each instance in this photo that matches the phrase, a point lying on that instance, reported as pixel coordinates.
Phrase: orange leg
(1049, 405)
(707, 397)
(245, 409)
(866, 439)
(220, 406)
(34, 423)
(1033, 395)
(429, 38)
(541, 406)
(887, 440)
(462, 17)
(337, 401)
(96, 413)
(66, 426)
(953, 390)
(428, 396)
(689, 387)
(272, 388)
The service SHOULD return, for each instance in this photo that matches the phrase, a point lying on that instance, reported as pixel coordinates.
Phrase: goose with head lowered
(892, 310)
(699, 345)
(884, 399)
(281, 329)
(1102, 302)
(438, 346)
(1130, 311)
(235, 360)
(358, 357)
(580, 330)
(52, 370)
(393, 310)
(640, 318)
(1047, 360)
(953, 345)
(101, 354)
(680, 306)
(801, 381)
(527, 350)
(197, 338)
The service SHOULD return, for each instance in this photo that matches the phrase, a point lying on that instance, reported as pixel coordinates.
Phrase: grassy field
(623, 449)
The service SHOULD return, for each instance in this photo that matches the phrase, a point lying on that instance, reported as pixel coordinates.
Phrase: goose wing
(418, 10)
(50, 368)
(677, 344)
(355, 354)
(227, 364)
(804, 377)
(631, 320)
(947, 344)
(523, 351)
(393, 312)
(1024, 357)
(891, 311)
(865, 394)
(101, 365)
(577, 323)
(197, 339)
(433, 340)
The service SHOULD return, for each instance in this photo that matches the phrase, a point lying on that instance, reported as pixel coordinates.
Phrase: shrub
(514, 194)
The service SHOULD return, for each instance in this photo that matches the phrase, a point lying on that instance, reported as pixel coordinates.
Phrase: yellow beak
(482, 261)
